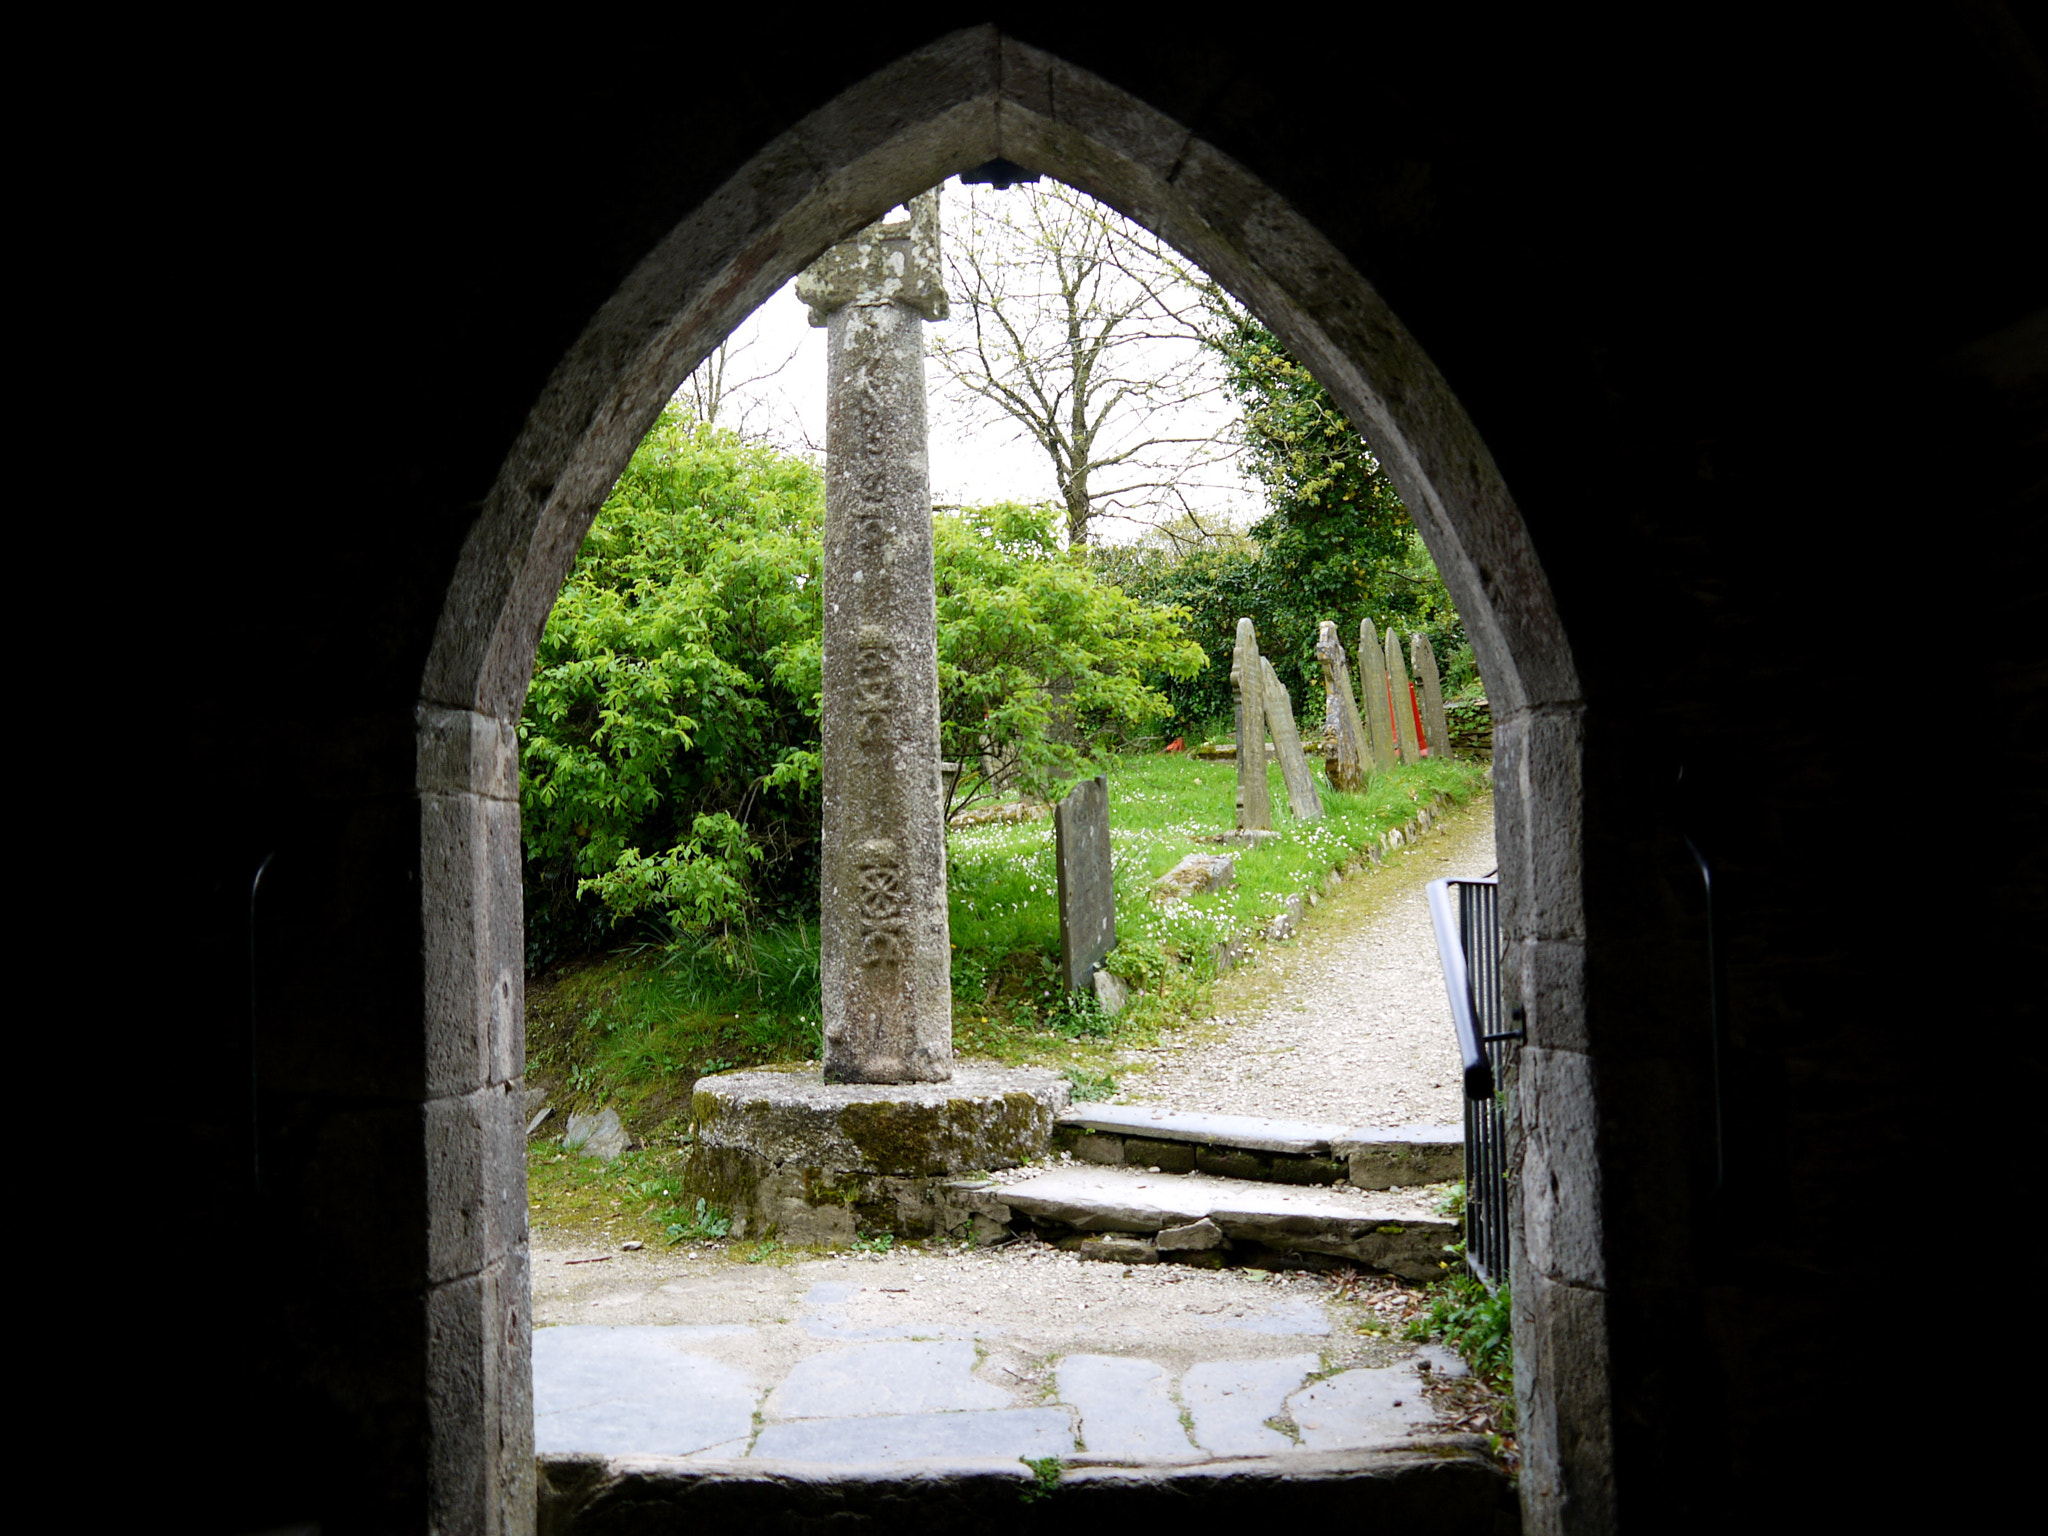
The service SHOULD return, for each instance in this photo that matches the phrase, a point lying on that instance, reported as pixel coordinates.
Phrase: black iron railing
(1467, 921)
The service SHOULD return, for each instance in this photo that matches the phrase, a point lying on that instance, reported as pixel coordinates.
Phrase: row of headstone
(1263, 708)
(1402, 720)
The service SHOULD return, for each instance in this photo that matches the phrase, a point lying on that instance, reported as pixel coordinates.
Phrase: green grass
(582, 1200)
(1004, 889)
(635, 1029)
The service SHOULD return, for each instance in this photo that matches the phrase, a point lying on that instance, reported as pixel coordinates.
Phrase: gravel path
(1347, 1023)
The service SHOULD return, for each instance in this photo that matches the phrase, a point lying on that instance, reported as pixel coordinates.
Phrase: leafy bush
(1042, 663)
(669, 743)
(1475, 1322)
(669, 746)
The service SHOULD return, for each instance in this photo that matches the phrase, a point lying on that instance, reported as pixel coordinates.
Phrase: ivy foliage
(669, 745)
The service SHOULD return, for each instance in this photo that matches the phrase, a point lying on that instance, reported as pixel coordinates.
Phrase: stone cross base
(792, 1156)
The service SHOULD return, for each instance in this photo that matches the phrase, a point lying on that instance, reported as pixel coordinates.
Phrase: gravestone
(1402, 702)
(1434, 726)
(1087, 892)
(1302, 799)
(1372, 684)
(1248, 687)
(885, 962)
(1348, 751)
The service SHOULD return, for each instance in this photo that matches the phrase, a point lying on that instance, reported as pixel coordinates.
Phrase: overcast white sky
(974, 457)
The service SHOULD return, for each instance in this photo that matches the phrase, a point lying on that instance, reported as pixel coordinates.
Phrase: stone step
(1249, 1147)
(1127, 1216)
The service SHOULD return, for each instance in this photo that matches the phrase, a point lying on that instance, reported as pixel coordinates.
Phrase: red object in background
(1178, 744)
(1415, 709)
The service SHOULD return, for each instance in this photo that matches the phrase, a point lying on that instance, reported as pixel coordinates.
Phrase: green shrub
(1475, 1322)
(669, 745)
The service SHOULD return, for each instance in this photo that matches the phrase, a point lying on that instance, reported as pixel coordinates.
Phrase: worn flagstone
(1004, 1434)
(1231, 1400)
(902, 1376)
(1361, 1407)
(1302, 798)
(635, 1391)
(1126, 1407)
(1248, 685)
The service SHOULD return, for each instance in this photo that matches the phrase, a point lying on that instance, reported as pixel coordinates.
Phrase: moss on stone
(835, 1188)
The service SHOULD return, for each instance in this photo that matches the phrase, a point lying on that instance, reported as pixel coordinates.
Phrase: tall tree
(1338, 542)
(1085, 332)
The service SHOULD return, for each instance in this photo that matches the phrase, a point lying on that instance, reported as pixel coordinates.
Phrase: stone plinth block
(1087, 890)
(785, 1152)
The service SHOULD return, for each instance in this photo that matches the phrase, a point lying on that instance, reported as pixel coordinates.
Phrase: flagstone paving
(961, 1355)
(955, 1356)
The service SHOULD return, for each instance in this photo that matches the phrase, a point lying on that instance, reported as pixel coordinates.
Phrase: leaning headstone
(1434, 726)
(1402, 701)
(1248, 686)
(1302, 799)
(1372, 684)
(886, 968)
(1347, 763)
(1087, 892)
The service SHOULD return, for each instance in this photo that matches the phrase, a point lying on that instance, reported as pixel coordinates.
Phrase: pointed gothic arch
(968, 98)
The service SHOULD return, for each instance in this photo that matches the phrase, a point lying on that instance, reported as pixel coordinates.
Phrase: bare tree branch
(1084, 332)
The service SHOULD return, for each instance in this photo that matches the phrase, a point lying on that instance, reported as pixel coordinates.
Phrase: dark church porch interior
(1692, 354)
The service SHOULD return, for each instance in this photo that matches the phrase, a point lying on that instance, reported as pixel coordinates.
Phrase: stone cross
(1302, 798)
(1347, 732)
(1372, 683)
(1434, 725)
(1402, 702)
(1087, 883)
(1254, 802)
(884, 951)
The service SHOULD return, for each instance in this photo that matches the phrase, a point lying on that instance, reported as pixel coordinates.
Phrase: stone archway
(968, 98)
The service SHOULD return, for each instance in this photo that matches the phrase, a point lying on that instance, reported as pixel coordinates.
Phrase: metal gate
(1465, 914)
